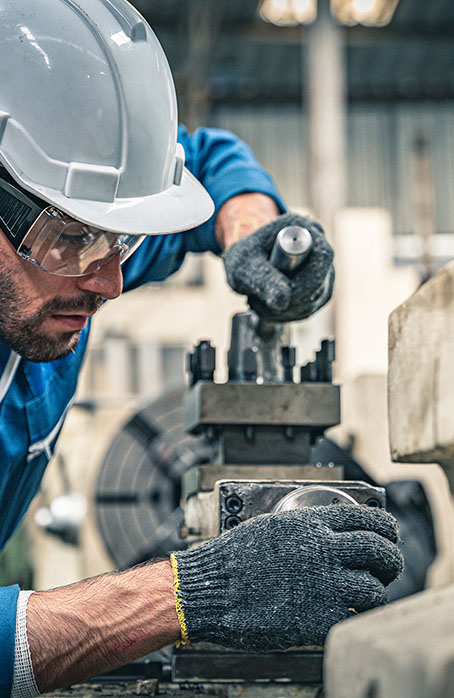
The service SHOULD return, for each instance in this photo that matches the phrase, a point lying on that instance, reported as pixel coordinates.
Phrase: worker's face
(42, 315)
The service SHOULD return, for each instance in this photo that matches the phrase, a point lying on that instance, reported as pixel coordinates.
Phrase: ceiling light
(371, 13)
(288, 13)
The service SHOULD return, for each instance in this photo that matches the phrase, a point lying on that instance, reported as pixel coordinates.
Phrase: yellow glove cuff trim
(178, 602)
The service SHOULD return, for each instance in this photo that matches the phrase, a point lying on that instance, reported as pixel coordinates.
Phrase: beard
(24, 334)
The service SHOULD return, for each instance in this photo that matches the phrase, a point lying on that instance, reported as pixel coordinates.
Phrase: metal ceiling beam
(261, 32)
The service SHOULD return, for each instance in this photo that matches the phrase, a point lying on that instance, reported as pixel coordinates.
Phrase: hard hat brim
(177, 208)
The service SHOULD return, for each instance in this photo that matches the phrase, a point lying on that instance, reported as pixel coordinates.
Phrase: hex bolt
(233, 504)
(231, 522)
(206, 355)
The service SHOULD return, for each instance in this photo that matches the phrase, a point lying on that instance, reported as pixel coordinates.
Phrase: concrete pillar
(325, 95)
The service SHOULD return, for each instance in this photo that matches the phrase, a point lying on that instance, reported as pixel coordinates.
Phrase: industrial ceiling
(222, 47)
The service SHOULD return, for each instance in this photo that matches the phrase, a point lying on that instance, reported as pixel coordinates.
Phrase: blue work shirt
(35, 406)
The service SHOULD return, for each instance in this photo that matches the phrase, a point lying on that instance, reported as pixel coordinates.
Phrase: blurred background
(349, 105)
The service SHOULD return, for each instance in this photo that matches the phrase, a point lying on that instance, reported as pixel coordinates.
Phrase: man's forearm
(241, 215)
(87, 628)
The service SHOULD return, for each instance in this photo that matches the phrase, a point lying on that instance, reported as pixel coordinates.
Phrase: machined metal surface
(262, 445)
(253, 354)
(241, 500)
(149, 687)
(288, 404)
(314, 496)
(199, 664)
(291, 247)
(203, 478)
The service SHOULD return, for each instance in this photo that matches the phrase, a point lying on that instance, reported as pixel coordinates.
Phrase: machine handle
(291, 247)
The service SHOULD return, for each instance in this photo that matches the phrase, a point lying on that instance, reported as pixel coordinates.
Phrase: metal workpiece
(314, 496)
(292, 245)
(285, 404)
(241, 500)
(231, 502)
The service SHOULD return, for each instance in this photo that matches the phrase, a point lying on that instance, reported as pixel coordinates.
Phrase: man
(91, 177)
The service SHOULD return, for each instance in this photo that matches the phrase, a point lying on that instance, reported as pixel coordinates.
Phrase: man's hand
(274, 296)
(282, 580)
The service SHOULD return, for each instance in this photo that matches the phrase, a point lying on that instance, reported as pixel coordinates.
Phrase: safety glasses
(57, 243)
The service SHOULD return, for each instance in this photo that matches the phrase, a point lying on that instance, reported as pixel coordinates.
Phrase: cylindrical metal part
(291, 247)
(313, 496)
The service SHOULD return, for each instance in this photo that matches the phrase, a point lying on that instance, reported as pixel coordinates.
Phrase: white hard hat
(88, 116)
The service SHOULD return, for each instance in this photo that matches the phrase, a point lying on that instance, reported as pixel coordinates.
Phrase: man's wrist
(242, 215)
(91, 627)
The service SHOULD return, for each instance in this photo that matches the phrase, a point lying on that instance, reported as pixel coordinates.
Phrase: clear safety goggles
(64, 246)
(53, 240)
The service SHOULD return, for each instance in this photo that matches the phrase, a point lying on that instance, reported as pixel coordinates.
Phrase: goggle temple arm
(18, 211)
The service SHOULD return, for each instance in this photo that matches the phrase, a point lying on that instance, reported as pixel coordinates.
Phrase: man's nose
(106, 282)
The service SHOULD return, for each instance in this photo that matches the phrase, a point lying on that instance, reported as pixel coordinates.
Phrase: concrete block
(368, 287)
(404, 650)
(421, 374)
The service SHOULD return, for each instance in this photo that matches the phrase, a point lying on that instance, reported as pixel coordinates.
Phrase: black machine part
(241, 500)
(255, 352)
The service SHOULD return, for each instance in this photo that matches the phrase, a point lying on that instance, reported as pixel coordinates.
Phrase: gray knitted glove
(274, 296)
(282, 580)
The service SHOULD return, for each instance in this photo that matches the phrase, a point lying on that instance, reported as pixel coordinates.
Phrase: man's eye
(81, 237)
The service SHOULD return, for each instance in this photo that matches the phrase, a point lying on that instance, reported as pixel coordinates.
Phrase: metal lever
(290, 249)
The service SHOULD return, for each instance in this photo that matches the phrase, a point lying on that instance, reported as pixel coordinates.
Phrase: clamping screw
(233, 504)
(202, 362)
(324, 360)
(231, 522)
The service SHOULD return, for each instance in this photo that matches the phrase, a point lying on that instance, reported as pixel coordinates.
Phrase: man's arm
(85, 629)
(241, 215)
(295, 573)
(236, 181)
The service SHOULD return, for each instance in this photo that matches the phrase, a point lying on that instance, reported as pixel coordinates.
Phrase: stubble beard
(24, 335)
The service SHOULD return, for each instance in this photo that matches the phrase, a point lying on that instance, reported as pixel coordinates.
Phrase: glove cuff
(200, 585)
(179, 602)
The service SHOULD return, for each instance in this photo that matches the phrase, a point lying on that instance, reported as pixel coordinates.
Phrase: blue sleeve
(8, 604)
(225, 166)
